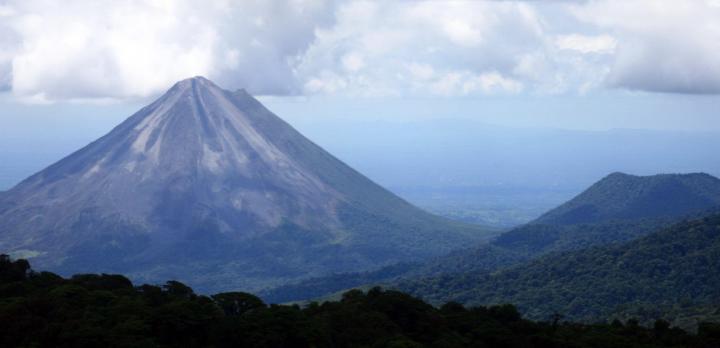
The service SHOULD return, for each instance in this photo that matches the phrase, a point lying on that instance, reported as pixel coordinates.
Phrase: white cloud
(466, 83)
(603, 44)
(426, 48)
(491, 82)
(421, 71)
(81, 49)
(119, 49)
(328, 83)
(6, 11)
(353, 62)
(662, 46)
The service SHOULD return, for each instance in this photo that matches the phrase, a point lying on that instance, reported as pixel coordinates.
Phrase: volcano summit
(209, 187)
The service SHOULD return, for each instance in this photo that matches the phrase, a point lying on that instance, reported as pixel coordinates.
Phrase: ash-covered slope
(209, 187)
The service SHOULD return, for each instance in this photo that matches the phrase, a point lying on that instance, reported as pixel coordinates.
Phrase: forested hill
(514, 247)
(45, 310)
(620, 196)
(617, 209)
(674, 273)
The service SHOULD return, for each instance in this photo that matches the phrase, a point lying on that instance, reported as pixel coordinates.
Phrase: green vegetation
(615, 210)
(538, 239)
(674, 273)
(89, 310)
(315, 288)
(620, 196)
(511, 248)
(618, 209)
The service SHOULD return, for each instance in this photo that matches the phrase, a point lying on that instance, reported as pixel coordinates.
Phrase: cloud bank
(663, 46)
(84, 50)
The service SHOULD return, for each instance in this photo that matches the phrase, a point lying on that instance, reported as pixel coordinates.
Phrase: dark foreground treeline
(41, 309)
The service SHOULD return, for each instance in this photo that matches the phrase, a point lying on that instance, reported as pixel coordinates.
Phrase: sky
(110, 52)
(71, 70)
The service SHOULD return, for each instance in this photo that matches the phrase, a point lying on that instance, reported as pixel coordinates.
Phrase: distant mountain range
(207, 186)
(617, 209)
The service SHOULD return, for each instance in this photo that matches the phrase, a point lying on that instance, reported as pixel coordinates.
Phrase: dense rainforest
(41, 309)
(673, 273)
(512, 248)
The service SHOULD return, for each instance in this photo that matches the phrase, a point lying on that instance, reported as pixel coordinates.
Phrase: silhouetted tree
(237, 303)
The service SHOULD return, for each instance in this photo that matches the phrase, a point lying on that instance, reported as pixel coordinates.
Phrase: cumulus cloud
(8, 40)
(437, 48)
(79, 49)
(119, 49)
(601, 44)
(482, 47)
(662, 46)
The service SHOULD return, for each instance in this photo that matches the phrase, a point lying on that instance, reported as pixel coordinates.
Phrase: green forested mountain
(674, 273)
(91, 310)
(620, 196)
(617, 209)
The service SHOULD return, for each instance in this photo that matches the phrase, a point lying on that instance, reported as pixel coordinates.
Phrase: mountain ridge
(624, 196)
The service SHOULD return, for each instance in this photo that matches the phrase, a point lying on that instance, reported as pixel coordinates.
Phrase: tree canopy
(41, 309)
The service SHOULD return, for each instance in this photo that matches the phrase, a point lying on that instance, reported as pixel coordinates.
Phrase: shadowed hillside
(103, 310)
(674, 272)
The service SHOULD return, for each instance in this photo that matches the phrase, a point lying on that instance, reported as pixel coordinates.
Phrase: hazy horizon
(479, 169)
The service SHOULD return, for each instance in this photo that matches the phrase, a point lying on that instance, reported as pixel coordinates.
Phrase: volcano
(209, 187)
